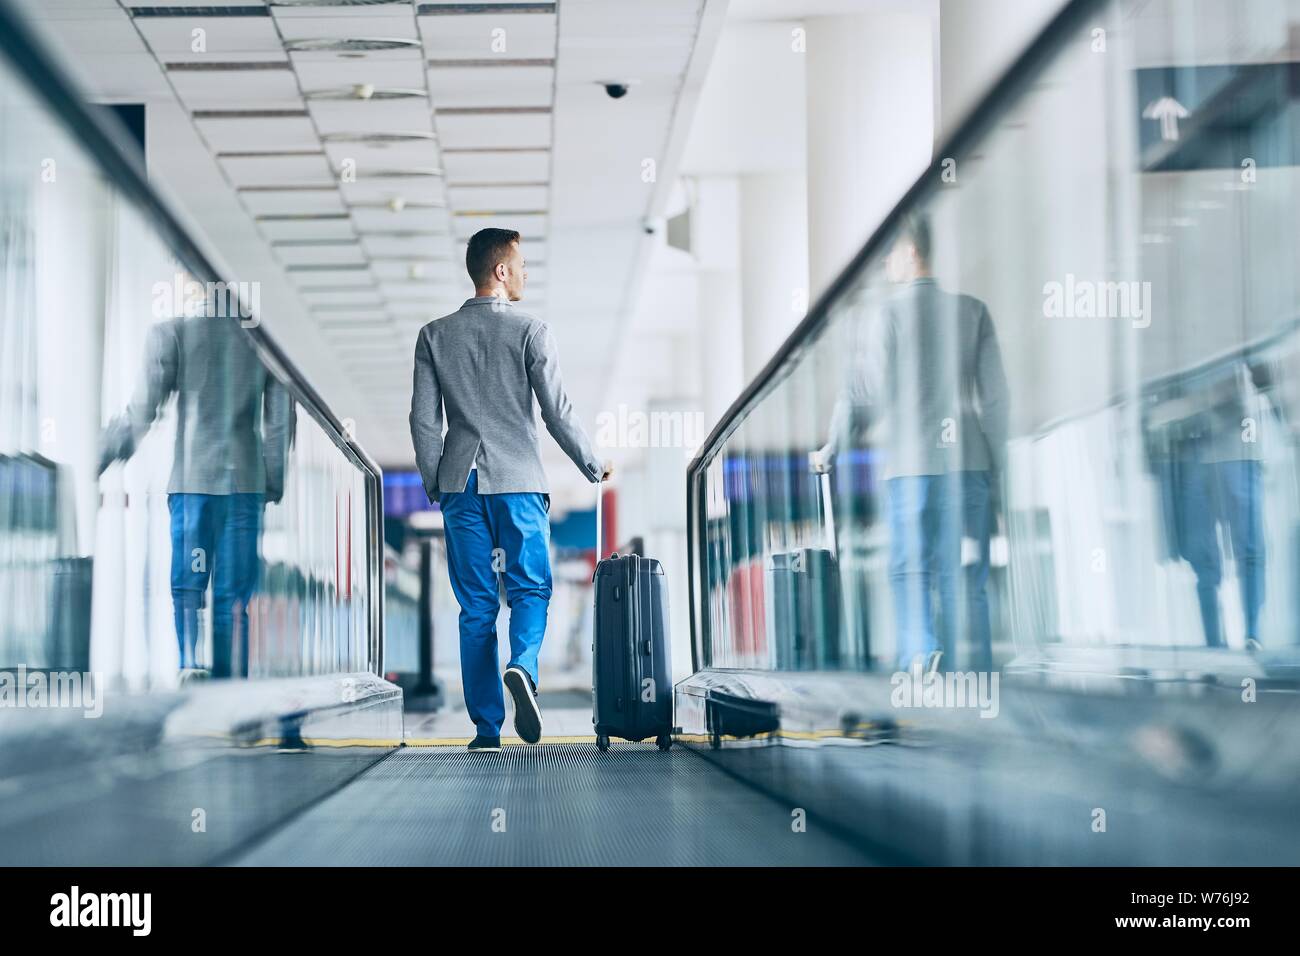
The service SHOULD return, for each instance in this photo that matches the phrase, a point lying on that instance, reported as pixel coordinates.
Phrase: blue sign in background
(1234, 112)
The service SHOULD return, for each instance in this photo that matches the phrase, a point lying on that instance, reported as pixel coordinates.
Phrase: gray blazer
(484, 364)
(233, 419)
(932, 373)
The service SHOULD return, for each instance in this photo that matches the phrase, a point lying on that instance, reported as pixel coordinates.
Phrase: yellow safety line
(331, 742)
(340, 742)
(781, 734)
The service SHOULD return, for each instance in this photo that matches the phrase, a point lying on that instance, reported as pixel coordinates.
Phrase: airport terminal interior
(941, 352)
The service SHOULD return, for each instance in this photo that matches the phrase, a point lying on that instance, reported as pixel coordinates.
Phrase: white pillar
(675, 421)
(773, 262)
(715, 243)
(870, 126)
(71, 224)
(721, 374)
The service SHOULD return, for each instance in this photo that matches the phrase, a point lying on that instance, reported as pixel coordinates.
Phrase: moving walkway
(1116, 726)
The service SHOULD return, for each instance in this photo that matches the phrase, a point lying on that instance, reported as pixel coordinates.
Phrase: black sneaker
(528, 716)
(485, 745)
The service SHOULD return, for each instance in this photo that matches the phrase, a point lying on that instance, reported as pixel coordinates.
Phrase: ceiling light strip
(248, 114)
(494, 111)
(471, 9)
(300, 216)
(212, 11)
(480, 213)
(225, 66)
(350, 44)
(402, 137)
(363, 93)
(452, 64)
(269, 154)
(400, 174)
(395, 203)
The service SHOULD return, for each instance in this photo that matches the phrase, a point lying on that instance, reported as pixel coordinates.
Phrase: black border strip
(474, 9)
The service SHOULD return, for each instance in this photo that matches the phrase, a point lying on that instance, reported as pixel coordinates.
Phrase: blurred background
(957, 326)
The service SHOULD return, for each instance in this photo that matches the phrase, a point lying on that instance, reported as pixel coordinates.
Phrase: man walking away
(481, 367)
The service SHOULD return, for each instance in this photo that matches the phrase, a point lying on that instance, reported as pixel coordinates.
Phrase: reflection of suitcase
(632, 693)
(68, 643)
(28, 514)
(727, 715)
(806, 609)
(806, 599)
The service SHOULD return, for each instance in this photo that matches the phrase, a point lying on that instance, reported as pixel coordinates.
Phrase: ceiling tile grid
(368, 141)
(365, 141)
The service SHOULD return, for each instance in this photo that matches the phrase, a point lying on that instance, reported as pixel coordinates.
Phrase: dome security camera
(616, 91)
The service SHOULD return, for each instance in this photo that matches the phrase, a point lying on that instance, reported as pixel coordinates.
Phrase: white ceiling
(257, 142)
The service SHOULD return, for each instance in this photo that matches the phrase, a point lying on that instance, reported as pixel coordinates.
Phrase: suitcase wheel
(664, 741)
(602, 741)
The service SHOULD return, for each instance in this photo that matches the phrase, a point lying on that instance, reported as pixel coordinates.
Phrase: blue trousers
(215, 537)
(928, 516)
(490, 535)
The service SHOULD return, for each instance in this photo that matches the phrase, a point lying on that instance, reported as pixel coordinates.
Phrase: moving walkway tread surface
(552, 804)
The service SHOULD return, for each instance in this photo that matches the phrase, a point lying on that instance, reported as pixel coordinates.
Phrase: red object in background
(609, 514)
(745, 594)
(608, 503)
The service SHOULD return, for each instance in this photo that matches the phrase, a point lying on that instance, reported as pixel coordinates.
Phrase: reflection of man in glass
(1205, 453)
(232, 421)
(932, 375)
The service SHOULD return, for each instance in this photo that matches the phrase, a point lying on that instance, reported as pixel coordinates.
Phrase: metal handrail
(107, 145)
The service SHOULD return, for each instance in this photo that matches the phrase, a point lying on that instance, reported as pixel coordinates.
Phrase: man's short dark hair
(486, 248)
(915, 228)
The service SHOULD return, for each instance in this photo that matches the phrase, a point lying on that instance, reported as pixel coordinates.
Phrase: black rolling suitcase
(806, 599)
(631, 679)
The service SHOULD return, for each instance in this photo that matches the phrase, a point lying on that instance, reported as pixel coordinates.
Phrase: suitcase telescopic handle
(824, 505)
(600, 502)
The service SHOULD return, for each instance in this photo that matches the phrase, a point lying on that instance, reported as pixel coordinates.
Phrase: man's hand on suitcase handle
(608, 470)
(820, 459)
